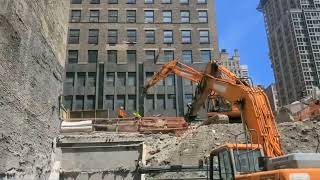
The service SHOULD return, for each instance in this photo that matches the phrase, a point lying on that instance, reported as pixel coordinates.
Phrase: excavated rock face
(32, 52)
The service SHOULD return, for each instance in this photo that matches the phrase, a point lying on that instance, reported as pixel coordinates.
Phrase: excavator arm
(252, 101)
(175, 67)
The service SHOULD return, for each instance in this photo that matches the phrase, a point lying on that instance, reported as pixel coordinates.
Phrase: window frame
(94, 18)
(168, 37)
(182, 17)
(93, 52)
(90, 38)
(184, 37)
(148, 37)
(113, 16)
(165, 17)
(147, 18)
(76, 59)
(112, 38)
(74, 39)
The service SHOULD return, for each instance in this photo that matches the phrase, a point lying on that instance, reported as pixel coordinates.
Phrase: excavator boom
(252, 101)
(175, 67)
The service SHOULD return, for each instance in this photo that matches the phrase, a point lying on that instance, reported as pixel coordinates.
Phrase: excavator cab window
(246, 161)
(221, 166)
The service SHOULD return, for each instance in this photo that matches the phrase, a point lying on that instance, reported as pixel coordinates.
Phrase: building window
(148, 1)
(81, 79)
(121, 79)
(205, 55)
(168, 55)
(166, 1)
(187, 82)
(150, 37)
(186, 36)
(94, 16)
(167, 37)
(203, 16)
(92, 56)
(167, 16)
(170, 80)
(112, 16)
(91, 102)
(92, 79)
(69, 79)
(95, 2)
(67, 102)
(75, 15)
(74, 36)
(184, 1)
(76, 1)
(110, 79)
(112, 1)
(188, 98)
(149, 102)
(187, 56)
(150, 55)
(131, 56)
(112, 36)
(121, 101)
(131, 1)
(93, 36)
(73, 56)
(112, 56)
(171, 101)
(148, 16)
(204, 36)
(79, 103)
(131, 16)
(131, 79)
(202, 1)
(185, 16)
(131, 102)
(132, 36)
(160, 101)
(149, 76)
(109, 102)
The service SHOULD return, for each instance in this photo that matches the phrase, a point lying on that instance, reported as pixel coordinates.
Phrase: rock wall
(32, 52)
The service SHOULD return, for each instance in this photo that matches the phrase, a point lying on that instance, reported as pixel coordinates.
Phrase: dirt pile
(197, 142)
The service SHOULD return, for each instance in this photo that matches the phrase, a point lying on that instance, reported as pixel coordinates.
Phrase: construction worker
(137, 115)
(138, 119)
(121, 112)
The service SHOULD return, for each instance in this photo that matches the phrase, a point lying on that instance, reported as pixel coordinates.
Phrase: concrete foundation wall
(32, 52)
(100, 160)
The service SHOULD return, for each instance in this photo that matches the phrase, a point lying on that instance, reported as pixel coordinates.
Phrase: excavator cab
(228, 161)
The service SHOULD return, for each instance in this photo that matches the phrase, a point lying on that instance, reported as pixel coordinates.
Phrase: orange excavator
(217, 104)
(261, 157)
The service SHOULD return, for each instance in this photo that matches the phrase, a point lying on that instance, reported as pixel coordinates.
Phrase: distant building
(115, 47)
(271, 92)
(231, 63)
(293, 33)
(244, 72)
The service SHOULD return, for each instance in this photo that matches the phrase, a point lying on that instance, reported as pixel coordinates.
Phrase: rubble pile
(197, 142)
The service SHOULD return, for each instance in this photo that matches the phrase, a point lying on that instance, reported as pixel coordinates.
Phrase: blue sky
(241, 26)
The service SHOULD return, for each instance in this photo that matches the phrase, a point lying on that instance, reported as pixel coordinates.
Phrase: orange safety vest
(121, 113)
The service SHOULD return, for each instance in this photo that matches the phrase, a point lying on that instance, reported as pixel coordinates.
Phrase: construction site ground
(197, 141)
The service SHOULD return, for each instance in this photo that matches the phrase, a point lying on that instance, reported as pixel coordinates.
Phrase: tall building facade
(272, 95)
(293, 30)
(116, 46)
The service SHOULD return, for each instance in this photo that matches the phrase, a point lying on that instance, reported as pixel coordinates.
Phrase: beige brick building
(115, 46)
